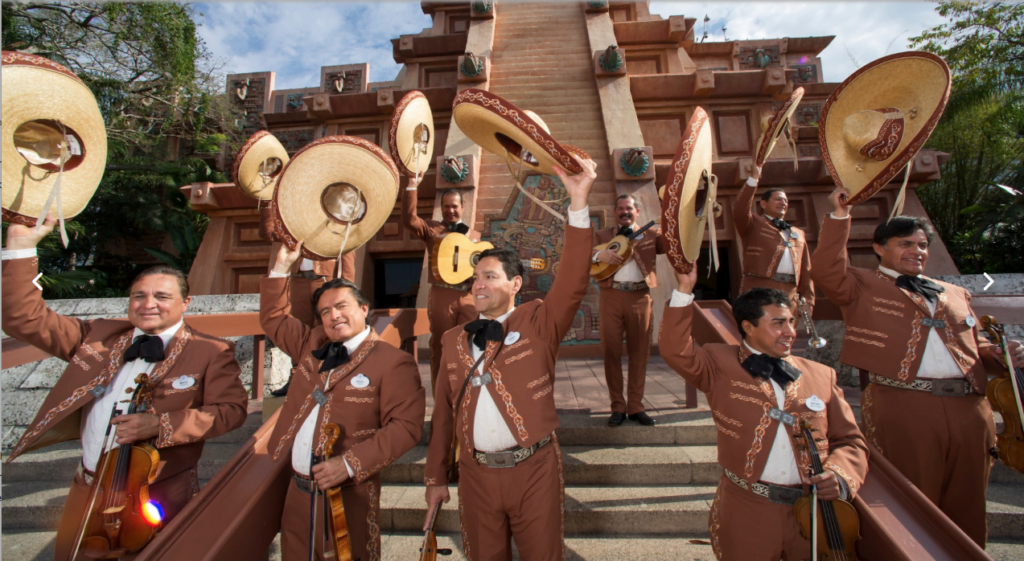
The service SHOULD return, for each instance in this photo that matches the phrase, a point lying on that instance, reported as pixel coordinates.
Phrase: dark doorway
(396, 282)
(715, 287)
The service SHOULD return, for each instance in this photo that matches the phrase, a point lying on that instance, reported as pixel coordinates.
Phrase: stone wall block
(44, 375)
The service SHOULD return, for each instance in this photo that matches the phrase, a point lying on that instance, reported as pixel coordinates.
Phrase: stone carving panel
(805, 74)
(807, 114)
(249, 96)
(756, 58)
(295, 139)
(350, 81)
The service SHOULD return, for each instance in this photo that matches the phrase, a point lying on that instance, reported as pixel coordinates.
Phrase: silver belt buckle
(484, 379)
(784, 495)
(500, 459)
(948, 388)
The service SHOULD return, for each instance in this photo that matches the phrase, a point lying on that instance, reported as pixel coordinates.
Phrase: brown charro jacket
(763, 245)
(427, 230)
(740, 404)
(884, 334)
(646, 249)
(212, 406)
(379, 422)
(523, 371)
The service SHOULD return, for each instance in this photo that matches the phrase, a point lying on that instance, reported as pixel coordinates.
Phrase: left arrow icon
(35, 281)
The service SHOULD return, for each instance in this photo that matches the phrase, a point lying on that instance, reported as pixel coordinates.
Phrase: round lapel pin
(360, 381)
(183, 382)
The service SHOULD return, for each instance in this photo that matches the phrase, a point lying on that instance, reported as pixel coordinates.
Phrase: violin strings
(831, 524)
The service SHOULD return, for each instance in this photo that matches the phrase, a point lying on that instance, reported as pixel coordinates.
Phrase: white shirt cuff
(276, 275)
(580, 218)
(18, 253)
(833, 216)
(680, 299)
(349, 468)
(751, 182)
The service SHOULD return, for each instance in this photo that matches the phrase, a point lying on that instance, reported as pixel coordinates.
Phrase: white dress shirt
(786, 266)
(98, 412)
(629, 271)
(936, 361)
(303, 447)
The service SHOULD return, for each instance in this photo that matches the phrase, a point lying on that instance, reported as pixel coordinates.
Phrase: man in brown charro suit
(196, 390)
(447, 305)
(925, 408)
(626, 306)
(757, 391)
(347, 376)
(775, 252)
(507, 417)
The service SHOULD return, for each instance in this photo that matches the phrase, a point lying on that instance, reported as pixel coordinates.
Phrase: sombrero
(500, 127)
(334, 195)
(874, 123)
(259, 164)
(689, 196)
(772, 126)
(411, 137)
(52, 129)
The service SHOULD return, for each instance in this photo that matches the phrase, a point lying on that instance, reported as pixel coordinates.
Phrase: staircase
(541, 61)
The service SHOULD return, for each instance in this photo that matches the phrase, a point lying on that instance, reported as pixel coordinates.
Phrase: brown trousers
(172, 494)
(749, 282)
(749, 527)
(525, 503)
(630, 312)
(941, 444)
(362, 512)
(446, 308)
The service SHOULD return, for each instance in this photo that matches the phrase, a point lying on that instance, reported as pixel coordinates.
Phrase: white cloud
(864, 31)
(295, 39)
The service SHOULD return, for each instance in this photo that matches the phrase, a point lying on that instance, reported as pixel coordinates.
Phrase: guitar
(623, 246)
(455, 256)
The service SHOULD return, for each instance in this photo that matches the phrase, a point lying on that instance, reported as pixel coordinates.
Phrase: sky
(295, 39)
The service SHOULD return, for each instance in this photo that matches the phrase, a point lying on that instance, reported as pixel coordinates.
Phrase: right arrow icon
(990, 281)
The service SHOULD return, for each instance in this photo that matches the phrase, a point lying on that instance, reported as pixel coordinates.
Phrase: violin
(1004, 393)
(121, 518)
(834, 526)
(429, 551)
(338, 523)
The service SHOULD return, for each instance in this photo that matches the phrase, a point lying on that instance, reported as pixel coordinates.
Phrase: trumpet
(816, 341)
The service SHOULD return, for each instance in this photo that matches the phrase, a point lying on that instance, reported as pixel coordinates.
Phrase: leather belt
(952, 387)
(775, 493)
(629, 286)
(508, 458)
(784, 278)
(464, 287)
(305, 484)
(86, 475)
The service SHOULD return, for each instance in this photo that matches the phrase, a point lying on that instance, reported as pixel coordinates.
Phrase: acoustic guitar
(621, 245)
(455, 256)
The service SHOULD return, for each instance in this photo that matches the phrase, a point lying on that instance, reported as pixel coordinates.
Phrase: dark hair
(768, 194)
(509, 261)
(901, 227)
(338, 283)
(453, 191)
(164, 270)
(636, 203)
(750, 305)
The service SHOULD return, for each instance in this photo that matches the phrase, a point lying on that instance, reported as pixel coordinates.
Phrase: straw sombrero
(411, 137)
(44, 103)
(772, 126)
(259, 164)
(500, 127)
(879, 118)
(334, 195)
(689, 196)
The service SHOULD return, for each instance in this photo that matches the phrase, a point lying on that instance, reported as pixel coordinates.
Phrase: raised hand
(578, 185)
(27, 237)
(686, 281)
(840, 202)
(286, 258)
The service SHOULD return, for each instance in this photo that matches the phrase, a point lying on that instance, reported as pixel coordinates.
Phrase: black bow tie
(779, 223)
(764, 366)
(149, 347)
(485, 330)
(333, 355)
(625, 231)
(457, 227)
(920, 285)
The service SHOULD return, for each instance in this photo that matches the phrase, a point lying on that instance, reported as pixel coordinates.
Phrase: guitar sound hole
(614, 247)
(475, 259)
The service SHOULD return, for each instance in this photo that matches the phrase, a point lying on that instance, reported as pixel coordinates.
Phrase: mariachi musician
(197, 393)
(752, 390)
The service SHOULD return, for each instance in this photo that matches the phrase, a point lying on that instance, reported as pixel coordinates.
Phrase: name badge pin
(970, 321)
(360, 381)
(183, 382)
(512, 337)
(794, 235)
(814, 403)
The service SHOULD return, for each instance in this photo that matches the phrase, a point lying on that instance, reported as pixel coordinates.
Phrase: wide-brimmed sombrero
(50, 118)
(501, 128)
(874, 123)
(411, 137)
(258, 165)
(334, 195)
(773, 126)
(689, 196)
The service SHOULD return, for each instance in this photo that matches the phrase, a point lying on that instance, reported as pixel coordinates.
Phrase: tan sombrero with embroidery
(258, 165)
(334, 195)
(689, 195)
(500, 127)
(411, 137)
(879, 118)
(50, 118)
(773, 126)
